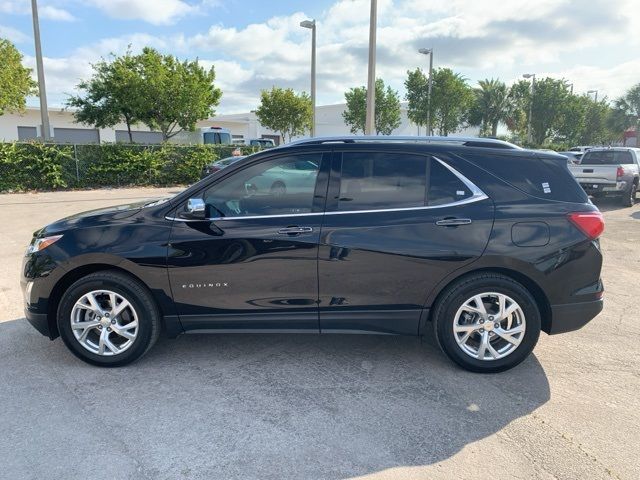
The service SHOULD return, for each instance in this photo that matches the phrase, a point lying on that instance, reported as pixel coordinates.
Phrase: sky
(255, 44)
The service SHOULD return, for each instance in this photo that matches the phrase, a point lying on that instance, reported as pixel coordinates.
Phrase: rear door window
(607, 157)
(444, 186)
(371, 181)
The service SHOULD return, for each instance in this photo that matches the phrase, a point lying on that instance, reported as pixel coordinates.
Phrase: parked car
(261, 142)
(581, 149)
(204, 135)
(475, 241)
(572, 157)
(219, 165)
(611, 172)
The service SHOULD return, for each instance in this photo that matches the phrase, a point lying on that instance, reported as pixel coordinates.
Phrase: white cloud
(12, 34)
(157, 12)
(46, 11)
(590, 44)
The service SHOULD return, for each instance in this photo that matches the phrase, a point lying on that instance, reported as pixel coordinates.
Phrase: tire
(629, 197)
(76, 309)
(455, 299)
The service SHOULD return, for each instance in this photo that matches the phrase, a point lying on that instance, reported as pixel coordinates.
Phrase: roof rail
(462, 141)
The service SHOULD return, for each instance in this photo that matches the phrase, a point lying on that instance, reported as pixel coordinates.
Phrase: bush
(37, 166)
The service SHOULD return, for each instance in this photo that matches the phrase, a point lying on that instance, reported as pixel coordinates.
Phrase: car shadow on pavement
(248, 406)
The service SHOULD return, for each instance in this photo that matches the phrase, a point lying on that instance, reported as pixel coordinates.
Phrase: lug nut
(481, 321)
(99, 327)
(496, 325)
(108, 329)
(113, 321)
(490, 318)
(482, 330)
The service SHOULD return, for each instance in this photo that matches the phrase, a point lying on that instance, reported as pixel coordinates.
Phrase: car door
(387, 239)
(252, 264)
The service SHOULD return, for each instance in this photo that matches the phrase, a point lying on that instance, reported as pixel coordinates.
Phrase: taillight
(620, 173)
(589, 223)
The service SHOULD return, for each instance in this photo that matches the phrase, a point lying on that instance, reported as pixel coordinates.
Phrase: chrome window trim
(477, 195)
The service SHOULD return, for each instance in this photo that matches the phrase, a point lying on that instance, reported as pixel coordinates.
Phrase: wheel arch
(540, 297)
(68, 279)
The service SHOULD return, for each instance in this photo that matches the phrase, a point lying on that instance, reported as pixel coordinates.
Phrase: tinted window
(276, 187)
(372, 181)
(607, 157)
(444, 186)
(538, 176)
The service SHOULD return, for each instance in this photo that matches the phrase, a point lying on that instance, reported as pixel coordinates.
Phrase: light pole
(312, 25)
(532, 76)
(370, 119)
(429, 51)
(44, 112)
(596, 94)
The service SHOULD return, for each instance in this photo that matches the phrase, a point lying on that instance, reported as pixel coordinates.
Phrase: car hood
(98, 216)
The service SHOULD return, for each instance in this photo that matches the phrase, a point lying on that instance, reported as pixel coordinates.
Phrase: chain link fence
(40, 166)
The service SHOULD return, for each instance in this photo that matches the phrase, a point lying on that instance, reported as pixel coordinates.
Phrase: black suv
(476, 241)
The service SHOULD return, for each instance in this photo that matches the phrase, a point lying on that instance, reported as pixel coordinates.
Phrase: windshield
(607, 157)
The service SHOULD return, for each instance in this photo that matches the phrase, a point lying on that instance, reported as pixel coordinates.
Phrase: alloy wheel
(104, 322)
(489, 326)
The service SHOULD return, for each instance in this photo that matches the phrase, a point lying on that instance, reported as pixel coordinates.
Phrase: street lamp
(312, 25)
(429, 51)
(532, 76)
(370, 119)
(596, 94)
(44, 112)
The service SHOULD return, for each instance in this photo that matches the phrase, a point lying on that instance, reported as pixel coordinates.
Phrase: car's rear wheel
(629, 198)
(108, 319)
(487, 322)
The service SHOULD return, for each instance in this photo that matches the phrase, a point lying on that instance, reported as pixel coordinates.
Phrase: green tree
(281, 110)
(387, 114)
(175, 94)
(491, 106)
(549, 101)
(417, 86)
(626, 112)
(15, 79)
(114, 94)
(518, 112)
(451, 100)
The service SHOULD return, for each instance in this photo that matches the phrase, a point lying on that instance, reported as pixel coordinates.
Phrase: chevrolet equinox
(475, 241)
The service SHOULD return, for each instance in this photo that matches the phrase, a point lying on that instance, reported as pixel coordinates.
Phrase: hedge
(38, 166)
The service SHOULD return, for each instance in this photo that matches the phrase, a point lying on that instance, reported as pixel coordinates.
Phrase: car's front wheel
(108, 319)
(487, 322)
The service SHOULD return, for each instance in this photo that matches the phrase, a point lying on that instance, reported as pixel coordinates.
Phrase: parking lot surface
(317, 407)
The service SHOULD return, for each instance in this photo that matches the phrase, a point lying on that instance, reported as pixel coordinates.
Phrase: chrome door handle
(295, 230)
(453, 222)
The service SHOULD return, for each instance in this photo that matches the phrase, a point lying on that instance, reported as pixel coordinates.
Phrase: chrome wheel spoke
(479, 327)
(88, 315)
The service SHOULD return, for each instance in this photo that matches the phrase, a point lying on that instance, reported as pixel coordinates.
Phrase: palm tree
(491, 106)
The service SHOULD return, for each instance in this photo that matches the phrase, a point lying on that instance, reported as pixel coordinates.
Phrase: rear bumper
(592, 188)
(573, 316)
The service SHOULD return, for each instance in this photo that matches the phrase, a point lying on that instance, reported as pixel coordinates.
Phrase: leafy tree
(281, 110)
(491, 106)
(175, 94)
(15, 79)
(417, 86)
(387, 114)
(518, 114)
(114, 94)
(451, 100)
(626, 112)
(548, 102)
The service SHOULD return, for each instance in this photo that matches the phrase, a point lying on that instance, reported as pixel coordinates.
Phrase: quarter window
(444, 186)
(378, 181)
(280, 186)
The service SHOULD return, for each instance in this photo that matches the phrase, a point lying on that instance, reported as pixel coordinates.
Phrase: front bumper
(573, 316)
(40, 321)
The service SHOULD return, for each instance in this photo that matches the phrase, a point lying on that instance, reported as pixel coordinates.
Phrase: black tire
(137, 295)
(629, 197)
(459, 292)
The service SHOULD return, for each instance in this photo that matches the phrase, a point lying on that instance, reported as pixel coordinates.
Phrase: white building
(243, 126)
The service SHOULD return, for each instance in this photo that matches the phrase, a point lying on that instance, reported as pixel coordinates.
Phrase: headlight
(41, 243)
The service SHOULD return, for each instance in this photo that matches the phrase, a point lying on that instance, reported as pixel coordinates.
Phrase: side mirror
(195, 209)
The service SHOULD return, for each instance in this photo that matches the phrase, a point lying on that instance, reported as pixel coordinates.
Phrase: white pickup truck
(610, 172)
